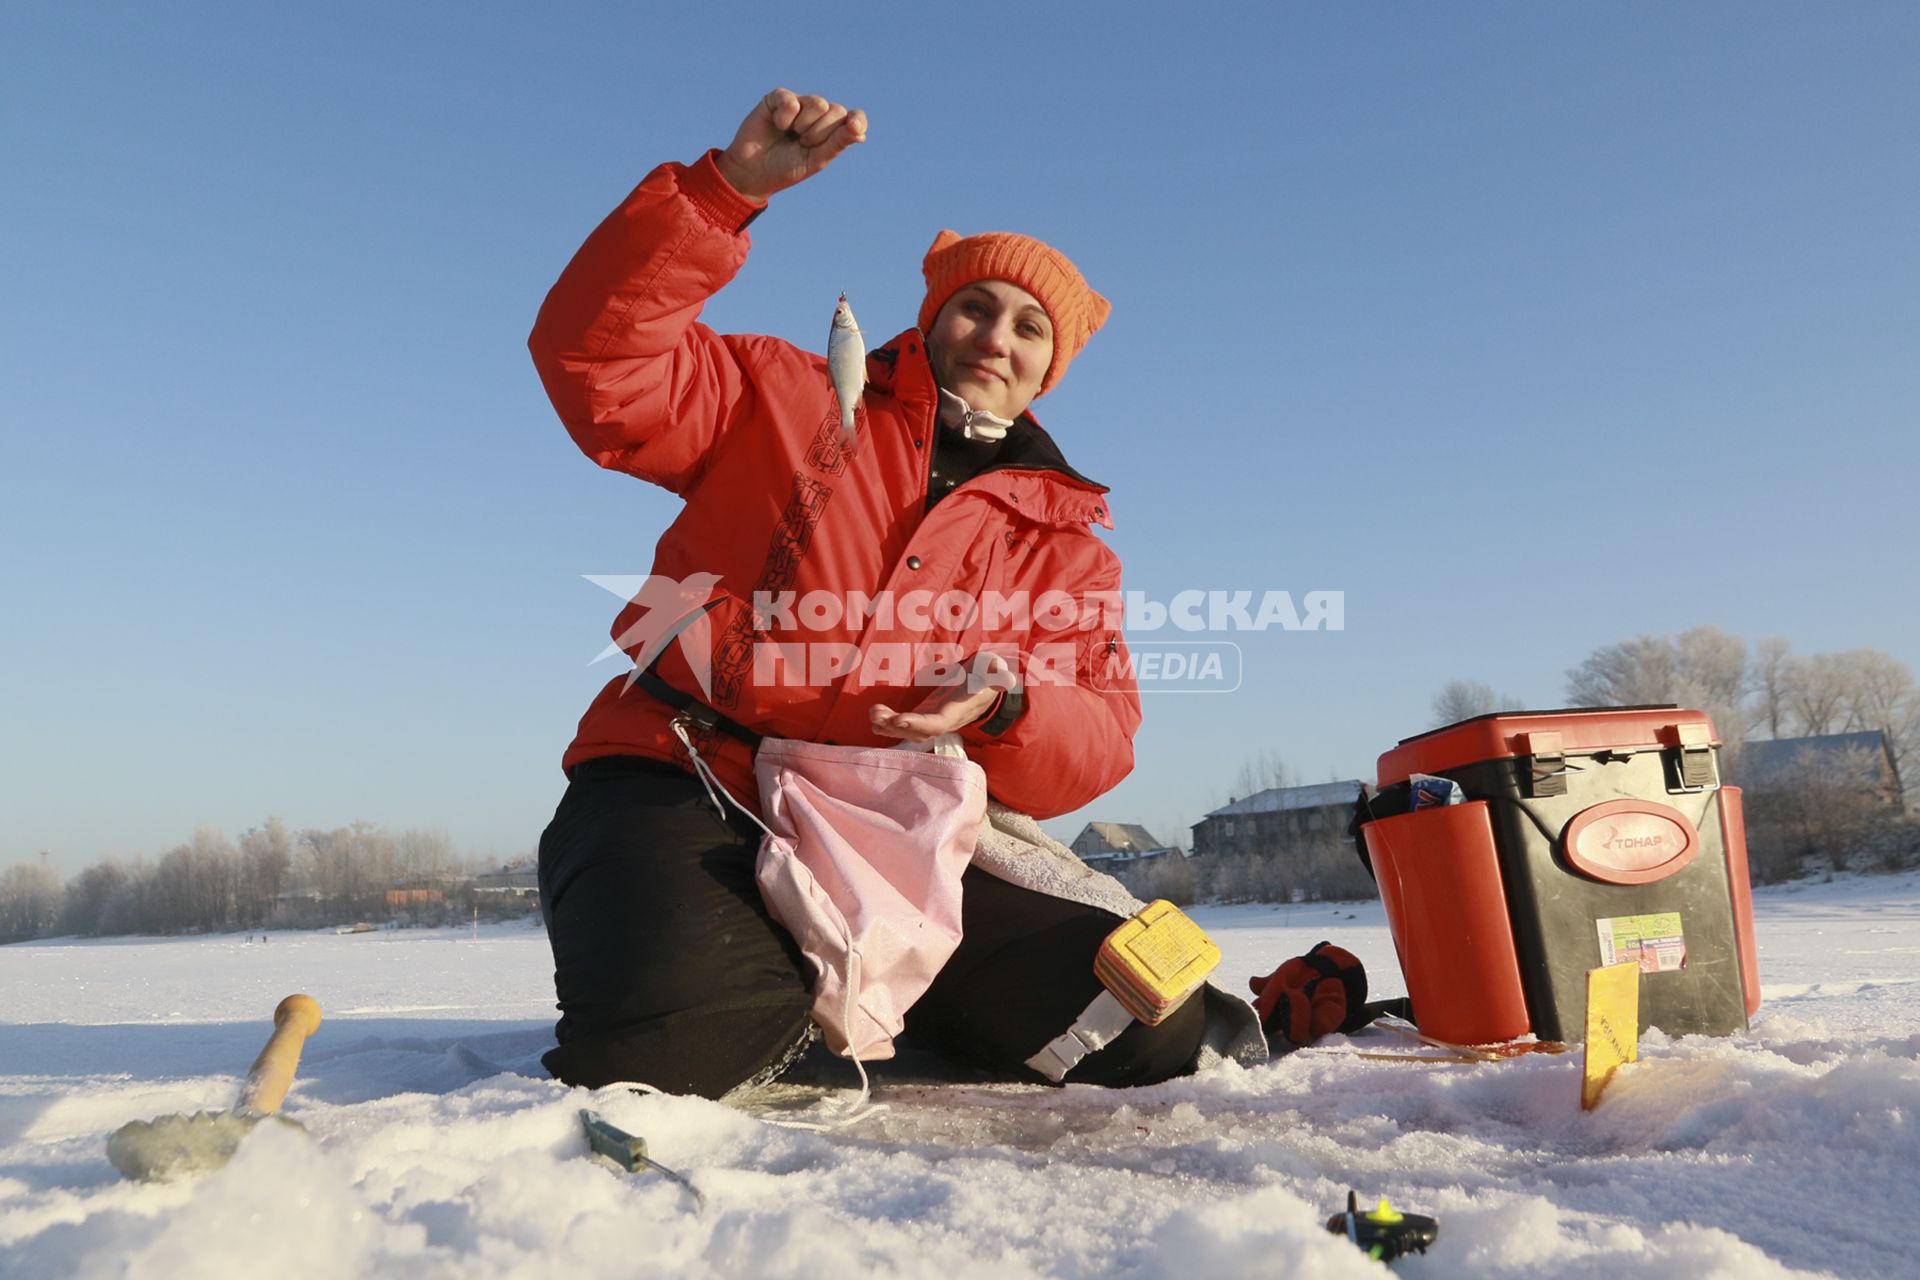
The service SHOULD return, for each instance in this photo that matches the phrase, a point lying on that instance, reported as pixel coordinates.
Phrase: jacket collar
(1038, 482)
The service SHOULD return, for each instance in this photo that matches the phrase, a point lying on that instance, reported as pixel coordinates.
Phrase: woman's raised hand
(951, 707)
(786, 139)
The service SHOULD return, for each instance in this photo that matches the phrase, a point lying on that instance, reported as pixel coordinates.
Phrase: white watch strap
(1099, 1026)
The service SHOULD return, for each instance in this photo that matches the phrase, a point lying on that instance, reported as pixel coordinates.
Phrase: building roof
(1128, 855)
(508, 877)
(1123, 835)
(1321, 795)
(1773, 762)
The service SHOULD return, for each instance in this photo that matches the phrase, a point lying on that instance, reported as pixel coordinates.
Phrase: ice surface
(437, 1146)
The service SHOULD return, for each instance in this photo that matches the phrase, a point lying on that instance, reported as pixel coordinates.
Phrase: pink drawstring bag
(862, 862)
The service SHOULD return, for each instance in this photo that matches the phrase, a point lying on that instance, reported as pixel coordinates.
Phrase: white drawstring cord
(862, 1105)
(860, 1108)
(709, 779)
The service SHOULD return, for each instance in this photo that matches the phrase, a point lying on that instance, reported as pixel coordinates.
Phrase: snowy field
(439, 1149)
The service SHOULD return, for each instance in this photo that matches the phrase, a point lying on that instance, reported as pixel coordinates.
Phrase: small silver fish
(846, 366)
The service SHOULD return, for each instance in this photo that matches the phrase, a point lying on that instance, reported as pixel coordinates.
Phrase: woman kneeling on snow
(668, 966)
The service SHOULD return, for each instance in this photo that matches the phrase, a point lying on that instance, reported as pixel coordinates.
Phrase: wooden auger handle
(272, 1073)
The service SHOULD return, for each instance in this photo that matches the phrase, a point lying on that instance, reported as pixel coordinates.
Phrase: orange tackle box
(1586, 837)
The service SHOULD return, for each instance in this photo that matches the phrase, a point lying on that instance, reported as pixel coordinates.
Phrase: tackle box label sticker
(1656, 942)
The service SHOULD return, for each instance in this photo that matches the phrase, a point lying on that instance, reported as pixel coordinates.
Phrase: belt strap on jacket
(694, 709)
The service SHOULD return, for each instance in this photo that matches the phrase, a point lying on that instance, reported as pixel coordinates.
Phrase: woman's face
(991, 345)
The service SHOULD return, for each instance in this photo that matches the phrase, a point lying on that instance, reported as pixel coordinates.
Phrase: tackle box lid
(1505, 734)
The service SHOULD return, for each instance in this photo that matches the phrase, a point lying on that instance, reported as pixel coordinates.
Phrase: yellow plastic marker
(1154, 961)
(1613, 1027)
(1147, 968)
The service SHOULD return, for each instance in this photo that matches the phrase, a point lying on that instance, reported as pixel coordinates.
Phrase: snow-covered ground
(438, 1148)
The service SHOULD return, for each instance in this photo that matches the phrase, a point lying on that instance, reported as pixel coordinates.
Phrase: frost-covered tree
(266, 857)
(194, 884)
(1261, 772)
(425, 856)
(1816, 694)
(87, 906)
(351, 867)
(1767, 675)
(1703, 668)
(1464, 699)
(29, 901)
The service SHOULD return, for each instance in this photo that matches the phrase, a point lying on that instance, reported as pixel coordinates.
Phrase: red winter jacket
(746, 429)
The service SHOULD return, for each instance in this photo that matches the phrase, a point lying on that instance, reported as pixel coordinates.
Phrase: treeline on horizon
(270, 876)
(1844, 812)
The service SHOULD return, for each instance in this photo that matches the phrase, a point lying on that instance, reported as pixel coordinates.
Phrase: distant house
(1855, 761)
(515, 880)
(1109, 842)
(1271, 820)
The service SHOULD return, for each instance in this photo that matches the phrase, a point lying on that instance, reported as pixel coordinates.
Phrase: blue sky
(1531, 328)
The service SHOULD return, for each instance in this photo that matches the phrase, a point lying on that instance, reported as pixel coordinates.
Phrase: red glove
(1311, 995)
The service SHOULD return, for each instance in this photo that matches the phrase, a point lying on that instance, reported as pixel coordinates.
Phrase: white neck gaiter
(971, 423)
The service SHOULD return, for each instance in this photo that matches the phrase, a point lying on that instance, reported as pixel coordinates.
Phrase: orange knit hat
(1042, 270)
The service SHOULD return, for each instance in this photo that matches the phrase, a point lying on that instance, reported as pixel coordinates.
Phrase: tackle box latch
(1546, 762)
(1692, 760)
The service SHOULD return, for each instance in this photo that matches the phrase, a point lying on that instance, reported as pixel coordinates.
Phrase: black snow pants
(670, 972)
